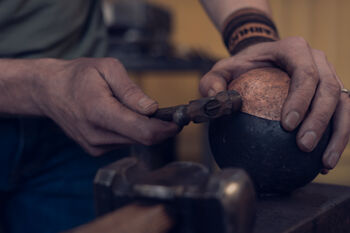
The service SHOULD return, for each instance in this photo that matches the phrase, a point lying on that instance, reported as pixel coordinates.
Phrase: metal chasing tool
(194, 199)
(202, 110)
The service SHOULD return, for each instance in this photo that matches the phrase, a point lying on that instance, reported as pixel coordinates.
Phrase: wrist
(247, 27)
(46, 83)
(22, 86)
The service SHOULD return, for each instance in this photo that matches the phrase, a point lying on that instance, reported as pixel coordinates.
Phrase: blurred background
(167, 46)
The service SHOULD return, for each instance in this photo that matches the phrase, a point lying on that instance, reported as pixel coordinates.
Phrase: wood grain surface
(130, 219)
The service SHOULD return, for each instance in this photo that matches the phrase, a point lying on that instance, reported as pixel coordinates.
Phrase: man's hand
(314, 95)
(96, 104)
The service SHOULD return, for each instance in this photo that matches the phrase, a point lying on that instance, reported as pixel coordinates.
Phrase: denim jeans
(46, 179)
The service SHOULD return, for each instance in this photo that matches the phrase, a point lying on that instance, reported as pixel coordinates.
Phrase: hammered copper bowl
(254, 139)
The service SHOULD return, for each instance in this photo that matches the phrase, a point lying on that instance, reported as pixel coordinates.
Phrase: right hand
(314, 94)
(96, 104)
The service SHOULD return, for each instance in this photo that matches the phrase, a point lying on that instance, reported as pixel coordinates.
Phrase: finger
(81, 140)
(324, 171)
(341, 132)
(296, 58)
(96, 136)
(331, 158)
(93, 151)
(96, 151)
(212, 83)
(220, 75)
(126, 90)
(226, 70)
(217, 78)
(109, 114)
(336, 76)
(322, 107)
(96, 141)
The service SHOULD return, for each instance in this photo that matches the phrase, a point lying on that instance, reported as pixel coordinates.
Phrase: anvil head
(223, 202)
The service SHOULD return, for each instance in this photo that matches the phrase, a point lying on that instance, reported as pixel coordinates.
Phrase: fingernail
(332, 160)
(217, 87)
(309, 140)
(292, 120)
(211, 92)
(148, 105)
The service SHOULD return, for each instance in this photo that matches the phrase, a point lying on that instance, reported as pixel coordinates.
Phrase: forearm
(219, 10)
(20, 84)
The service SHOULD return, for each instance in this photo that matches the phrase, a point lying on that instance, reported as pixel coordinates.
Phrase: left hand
(314, 86)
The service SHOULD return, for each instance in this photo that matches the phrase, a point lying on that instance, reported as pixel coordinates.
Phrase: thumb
(133, 97)
(212, 83)
(129, 93)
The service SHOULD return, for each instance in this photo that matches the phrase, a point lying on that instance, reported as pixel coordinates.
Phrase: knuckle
(149, 137)
(322, 120)
(82, 60)
(346, 136)
(319, 53)
(202, 87)
(92, 140)
(346, 106)
(87, 71)
(94, 152)
(222, 63)
(129, 91)
(110, 61)
(90, 136)
(217, 74)
(299, 41)
(311, 72)
(90, 116)
(293, 46)
(86, 63)
(333, 87)
(302, 96)
(204, 79)
(93, 113)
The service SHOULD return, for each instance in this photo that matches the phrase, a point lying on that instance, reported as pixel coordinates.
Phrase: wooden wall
(324, 23)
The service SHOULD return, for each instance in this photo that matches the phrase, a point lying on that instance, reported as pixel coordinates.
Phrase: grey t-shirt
(51, 28)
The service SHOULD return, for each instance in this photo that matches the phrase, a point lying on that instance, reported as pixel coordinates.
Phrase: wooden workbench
(316, 208)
